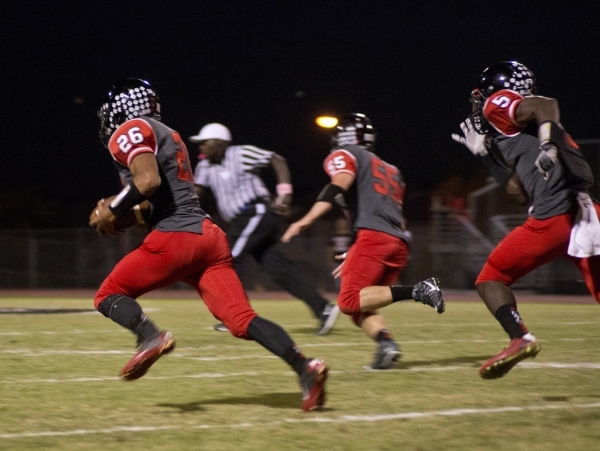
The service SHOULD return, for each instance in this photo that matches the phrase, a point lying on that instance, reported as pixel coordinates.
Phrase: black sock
(401, 292)
(295, 358)
(275, 339)
(383, 335)
(126, 312)
(508, 316)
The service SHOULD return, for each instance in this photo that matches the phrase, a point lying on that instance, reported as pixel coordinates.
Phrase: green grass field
(59, 388)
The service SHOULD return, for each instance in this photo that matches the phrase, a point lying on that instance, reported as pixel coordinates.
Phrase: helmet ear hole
(119, 118)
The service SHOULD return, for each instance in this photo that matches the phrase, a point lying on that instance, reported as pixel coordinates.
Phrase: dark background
(266, 70)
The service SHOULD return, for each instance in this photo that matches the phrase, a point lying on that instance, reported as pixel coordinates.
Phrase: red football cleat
(313, 385)
(518, 349)
(149, 353)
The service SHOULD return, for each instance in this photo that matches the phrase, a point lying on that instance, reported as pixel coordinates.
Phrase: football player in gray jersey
(183, 244)
(372, 191)
(545, 170)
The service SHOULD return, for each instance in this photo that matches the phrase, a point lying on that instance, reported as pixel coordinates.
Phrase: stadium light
(326, 121)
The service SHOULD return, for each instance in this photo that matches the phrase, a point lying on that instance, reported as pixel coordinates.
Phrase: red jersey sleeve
(340, 161)
(499, 110)
(130, 139)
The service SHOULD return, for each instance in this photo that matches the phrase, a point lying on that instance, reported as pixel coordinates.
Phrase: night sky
(266, 70)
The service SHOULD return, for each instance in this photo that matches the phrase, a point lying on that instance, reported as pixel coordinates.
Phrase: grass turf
(59, 388)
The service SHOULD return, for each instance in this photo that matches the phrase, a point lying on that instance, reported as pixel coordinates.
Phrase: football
(125, 220)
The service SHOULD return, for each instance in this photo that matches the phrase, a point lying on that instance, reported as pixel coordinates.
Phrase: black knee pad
(121, 309)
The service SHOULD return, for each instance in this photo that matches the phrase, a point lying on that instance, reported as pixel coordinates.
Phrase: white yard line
(522, 366)
(185, 352)
(304, 326)
(314, 418)
(67, 332)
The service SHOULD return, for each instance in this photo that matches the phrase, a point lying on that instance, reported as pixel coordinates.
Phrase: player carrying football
(183, 243)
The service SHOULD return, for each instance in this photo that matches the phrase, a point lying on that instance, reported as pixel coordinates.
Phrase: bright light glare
(327, 121)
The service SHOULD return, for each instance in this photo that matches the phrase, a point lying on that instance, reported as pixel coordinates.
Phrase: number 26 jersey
(175, 206)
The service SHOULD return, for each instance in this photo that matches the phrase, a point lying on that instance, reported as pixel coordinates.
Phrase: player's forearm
(501, 173)
(146, 176)
(316, 211)
(281, 169)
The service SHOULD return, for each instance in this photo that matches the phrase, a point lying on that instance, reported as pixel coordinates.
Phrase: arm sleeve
(130, 139)
(201, 174)
(340, 161)
(497, 169)
(252, 157)
(499, 111)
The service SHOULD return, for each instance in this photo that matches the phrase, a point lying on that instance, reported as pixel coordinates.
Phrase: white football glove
(473, 140)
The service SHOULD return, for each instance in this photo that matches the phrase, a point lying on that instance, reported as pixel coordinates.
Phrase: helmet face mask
(479, 123)
(126, 100)
(355, 128)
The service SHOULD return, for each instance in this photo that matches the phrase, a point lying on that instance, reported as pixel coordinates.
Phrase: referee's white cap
(212, 131)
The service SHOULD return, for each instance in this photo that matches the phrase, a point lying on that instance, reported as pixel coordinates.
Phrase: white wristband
(545, 131)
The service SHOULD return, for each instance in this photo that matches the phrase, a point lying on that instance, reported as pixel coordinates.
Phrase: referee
(243, 200)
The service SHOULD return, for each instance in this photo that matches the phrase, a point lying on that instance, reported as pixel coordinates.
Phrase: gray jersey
(570, 175)
(550, 197)
(375, 199)
(235, 181)
(175, 206)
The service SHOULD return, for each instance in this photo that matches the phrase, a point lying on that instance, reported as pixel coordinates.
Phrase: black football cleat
(429, 293)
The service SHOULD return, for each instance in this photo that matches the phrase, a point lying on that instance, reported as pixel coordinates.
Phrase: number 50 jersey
(375, 199)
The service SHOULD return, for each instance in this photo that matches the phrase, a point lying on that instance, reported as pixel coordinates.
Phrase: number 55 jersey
(374, 201)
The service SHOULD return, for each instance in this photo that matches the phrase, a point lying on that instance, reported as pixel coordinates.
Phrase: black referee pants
(255, 232)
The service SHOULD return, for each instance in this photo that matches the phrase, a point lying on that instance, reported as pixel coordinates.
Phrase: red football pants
(533, 244)
(375, 258)
(202, 261)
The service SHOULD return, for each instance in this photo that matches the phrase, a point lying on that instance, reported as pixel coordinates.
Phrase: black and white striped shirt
(234, 181)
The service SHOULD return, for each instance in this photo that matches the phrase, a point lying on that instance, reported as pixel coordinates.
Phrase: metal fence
(452, 246)
(78, 258)
(462, 241)
(60, 258)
